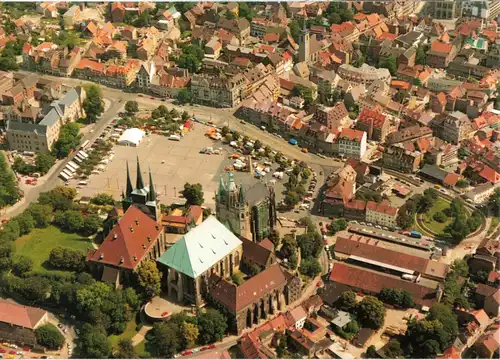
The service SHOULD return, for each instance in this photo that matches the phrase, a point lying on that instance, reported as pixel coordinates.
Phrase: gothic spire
(222, 186)
(241, 195)
(152, 192)
(129, 182)
(139, 183)
(231, 186)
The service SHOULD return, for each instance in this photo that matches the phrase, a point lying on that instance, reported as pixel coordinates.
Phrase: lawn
(38, 244)
(127, 334)
(432, 224)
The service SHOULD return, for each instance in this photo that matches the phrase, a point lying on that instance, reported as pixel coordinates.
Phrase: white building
(381, 214)
(350, 143)
(481, 193)
(298, 317)
(131, 137)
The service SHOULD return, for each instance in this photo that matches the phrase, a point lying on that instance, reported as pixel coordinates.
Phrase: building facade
(218, 91)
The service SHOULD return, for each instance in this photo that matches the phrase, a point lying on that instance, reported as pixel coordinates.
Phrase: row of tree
(370, 312)
(9, 190)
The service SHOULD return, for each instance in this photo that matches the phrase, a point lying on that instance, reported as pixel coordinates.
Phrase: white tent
(131, 137)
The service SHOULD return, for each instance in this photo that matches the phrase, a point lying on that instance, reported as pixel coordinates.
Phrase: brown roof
(237, 298)
(382, 207)
(367, 115)
(267, 244)
(374, 282)
(254, 252)
(356, 204)
(485, 290)
(18, 315)
(130, 239)
(368, 248)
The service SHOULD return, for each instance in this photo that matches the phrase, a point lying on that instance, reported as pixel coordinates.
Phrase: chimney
(149, 239)
(135, 258)
(137, 221)
(115, 236)
(122, 260)
(143, 246)
(131, 228)
(101, 256)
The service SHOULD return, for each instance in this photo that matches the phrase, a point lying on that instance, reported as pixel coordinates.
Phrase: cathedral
(143, 196)
(248, 213)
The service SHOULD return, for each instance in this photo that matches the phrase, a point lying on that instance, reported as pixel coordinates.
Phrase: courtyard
(172, 164)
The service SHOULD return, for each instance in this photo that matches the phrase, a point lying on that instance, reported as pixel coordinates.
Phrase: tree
(9, 190)
(338, 225)
(421, 56)
(396, 297)
(149, 278)
(419, 333)
(257, 145)
(67, 259)
(335, 19)
(291, 199)
(22, 265)
(126, 350)
(93, 104)
(460, 268)
(310, 244)
(245, 11)
(310, 267)
(91, 224)
(193, 193)
(389, 63)
(190, 62)
(371, 312)
(494, 201)
(253, 269)
(393, 350)
(294, 30)
(461, 302)
(93, 343)
(35, 289)
(371, 352)
(165, 339)
(69, 138)
(212, 326)
(184, 96)
(102, 199)
(131, 107)
(70, 220)
(274, 236)
(288, 247)
(303, 92)
(445, 315)
(41, 214)
(347, 301)
(26, 222)
(49, 336)
(44, 162)
(190, 334)
(440, 217)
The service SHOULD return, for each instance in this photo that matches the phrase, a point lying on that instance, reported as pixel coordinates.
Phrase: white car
(330, 267)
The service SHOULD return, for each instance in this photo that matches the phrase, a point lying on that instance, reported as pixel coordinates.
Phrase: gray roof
(256, 193)
(27, 127)
(434, 172)
(58, 107)
(51, 118)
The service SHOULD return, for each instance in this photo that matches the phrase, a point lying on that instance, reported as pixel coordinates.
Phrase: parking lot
(172, 163)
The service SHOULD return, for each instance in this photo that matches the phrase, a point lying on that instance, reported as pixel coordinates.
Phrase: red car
(26, 349)
(318, 284)
(211, 346)
(163, 314)
(187, 352)
(3, 351)
(12, 352)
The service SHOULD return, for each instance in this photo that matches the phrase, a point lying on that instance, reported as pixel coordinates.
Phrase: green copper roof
(201, 248)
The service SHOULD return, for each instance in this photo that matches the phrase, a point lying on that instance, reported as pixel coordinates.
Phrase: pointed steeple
(231, 186)
(152, 192)
(123, 195)
(129, 182)
(241, 195)
(139, 182)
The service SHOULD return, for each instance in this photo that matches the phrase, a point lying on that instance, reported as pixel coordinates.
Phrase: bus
(85, 144)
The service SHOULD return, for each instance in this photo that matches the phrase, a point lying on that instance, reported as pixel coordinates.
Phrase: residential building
(138, 236)
(481, 193)
(117, 12)
(333, 117)
(441, 54)
(381, 213)
(239, 27)
(350, 143)
(39, 137)
(248, 213)
(413, 132)
(340, 190)
(365, 74)
(488, 345)
(71, 16)
(375, 124)
(18, 323)
(396, 157)
(222, 91)
(453, 128)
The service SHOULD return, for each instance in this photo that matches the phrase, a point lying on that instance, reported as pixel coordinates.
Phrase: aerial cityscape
(250, 180)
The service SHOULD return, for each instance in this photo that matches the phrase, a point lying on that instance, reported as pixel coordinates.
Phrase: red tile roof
(131, 239)
(383, 208)
(494, 276)
(367, 115)
(353, 135)
(450, 353)
(440, 47)
(368, 248)
(19, 315)
(451, 179)
(373, 282)
(236, 298)
(271, 37)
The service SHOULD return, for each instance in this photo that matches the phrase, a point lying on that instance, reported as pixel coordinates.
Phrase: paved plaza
(172, 163)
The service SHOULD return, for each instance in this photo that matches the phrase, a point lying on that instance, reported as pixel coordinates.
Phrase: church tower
(232, 208)
(142, 196)
(304, 45)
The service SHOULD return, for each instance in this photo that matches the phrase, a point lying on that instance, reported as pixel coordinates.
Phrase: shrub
(440, 217)
(48, 335)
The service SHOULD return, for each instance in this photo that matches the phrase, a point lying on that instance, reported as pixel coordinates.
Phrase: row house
(51, 59)
(218, 91)
(381, 214)
(333, 117)
(120, 75)
(396, 157)
(365, 74)
(239, 27)
(374, 123)
(350, 143)
(260, 27)
(169, 82)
